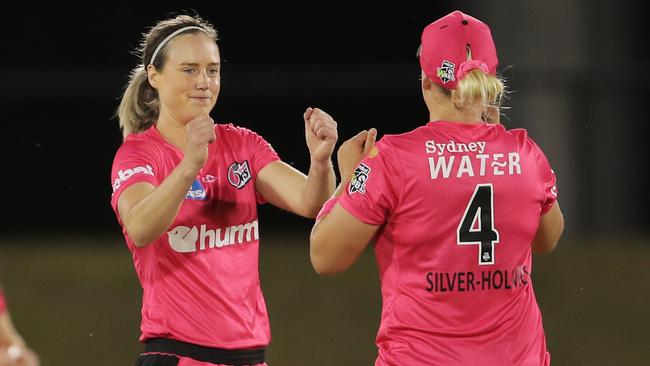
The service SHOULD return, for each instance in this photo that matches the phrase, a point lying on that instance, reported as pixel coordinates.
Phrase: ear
(152, 75)
(426, 82)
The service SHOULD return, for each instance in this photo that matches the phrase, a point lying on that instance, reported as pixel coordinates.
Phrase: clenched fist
(199, 132)
(353, 150)
(320, 133)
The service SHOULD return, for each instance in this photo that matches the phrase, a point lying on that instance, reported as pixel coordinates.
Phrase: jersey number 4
(477, 224)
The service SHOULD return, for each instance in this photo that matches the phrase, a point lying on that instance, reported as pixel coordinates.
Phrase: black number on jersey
(477, 224)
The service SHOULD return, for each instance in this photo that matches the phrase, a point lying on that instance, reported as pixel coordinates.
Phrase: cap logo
(446, 72)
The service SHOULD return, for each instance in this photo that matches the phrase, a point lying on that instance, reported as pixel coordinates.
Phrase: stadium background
(579, 75)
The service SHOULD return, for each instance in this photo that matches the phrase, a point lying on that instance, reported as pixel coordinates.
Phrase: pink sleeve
(262, 152)
(132, 164)
(372, 194)
(327, 208)
(3, 304)
(546, 177)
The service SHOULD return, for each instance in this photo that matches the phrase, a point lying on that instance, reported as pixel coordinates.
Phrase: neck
(172, 130)
(447, 111)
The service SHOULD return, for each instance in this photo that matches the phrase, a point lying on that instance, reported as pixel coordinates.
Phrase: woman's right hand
(199, 132)
(353, 150)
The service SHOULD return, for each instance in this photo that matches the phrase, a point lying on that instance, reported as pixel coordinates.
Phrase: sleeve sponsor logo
(124, 175)
(359, 179)
(239, 174)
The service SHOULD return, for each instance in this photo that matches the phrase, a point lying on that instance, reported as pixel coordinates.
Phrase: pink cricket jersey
(459, 205)
(3, 304)
(200, 279)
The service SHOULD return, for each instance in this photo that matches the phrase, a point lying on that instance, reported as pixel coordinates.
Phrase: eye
(213, 71)
(189, 70)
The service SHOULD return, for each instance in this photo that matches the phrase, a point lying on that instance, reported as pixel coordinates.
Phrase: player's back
(455, 254)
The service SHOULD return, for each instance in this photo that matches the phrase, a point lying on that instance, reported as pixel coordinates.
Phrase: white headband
(174, 34)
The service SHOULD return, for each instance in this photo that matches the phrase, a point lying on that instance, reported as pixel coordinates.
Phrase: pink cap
(445, 43)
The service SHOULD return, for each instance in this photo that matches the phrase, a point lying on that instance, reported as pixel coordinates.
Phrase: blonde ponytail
(479, 92)
(139, 107)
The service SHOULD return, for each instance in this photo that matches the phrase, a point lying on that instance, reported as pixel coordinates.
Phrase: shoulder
(524, 139)
(230, 129)
(137, 144)
(402, 141)
(243, 137)
(518, 133)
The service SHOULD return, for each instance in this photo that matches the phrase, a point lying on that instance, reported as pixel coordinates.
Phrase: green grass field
(76, 300)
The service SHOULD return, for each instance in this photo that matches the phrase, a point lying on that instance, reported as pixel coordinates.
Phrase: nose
(202, 80)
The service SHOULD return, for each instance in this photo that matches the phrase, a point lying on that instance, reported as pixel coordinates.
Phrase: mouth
(201, 99)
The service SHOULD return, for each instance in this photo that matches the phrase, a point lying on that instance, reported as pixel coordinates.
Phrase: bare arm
(338, 239)
(287, 188)
(551, 225)
(147, 211)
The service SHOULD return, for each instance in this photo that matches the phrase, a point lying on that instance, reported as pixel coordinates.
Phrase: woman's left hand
(321, 134)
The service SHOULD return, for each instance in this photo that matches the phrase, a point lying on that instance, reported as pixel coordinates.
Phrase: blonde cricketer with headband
(186, 190)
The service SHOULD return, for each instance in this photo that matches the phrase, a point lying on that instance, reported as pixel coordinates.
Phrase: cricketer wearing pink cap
(456, 207)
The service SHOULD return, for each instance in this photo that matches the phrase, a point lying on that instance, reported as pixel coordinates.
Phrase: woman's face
(189, 83)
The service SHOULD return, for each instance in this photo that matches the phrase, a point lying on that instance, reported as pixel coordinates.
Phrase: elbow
(540, 247)
(311, 214)
(323, 264)
(139, 239)
(305, 211)
(323, 267)
(544, 244)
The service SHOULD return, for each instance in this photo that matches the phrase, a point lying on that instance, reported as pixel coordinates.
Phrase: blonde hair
(479, 92)
(140, 106)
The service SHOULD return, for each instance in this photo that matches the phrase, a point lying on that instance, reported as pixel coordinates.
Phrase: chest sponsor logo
(359, 179)
(196, 192)
(239, 174)
(183, 239)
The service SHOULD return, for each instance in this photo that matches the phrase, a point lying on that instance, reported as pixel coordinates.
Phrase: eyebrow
(196, 64)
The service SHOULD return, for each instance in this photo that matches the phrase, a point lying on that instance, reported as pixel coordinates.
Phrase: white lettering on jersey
(474, 165)
(184, 239)
(125, 174)
(454, 147)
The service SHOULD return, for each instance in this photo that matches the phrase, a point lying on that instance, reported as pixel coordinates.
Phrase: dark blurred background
(578, 75)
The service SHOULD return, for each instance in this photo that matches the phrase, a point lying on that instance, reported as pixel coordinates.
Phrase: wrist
(188, 169)
(321, 165)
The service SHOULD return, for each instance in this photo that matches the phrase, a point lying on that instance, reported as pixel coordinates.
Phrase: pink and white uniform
(459, 206)
(200, 279)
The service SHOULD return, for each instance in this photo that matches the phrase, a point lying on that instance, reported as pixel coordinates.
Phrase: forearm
(151, 216)
(318, 188)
